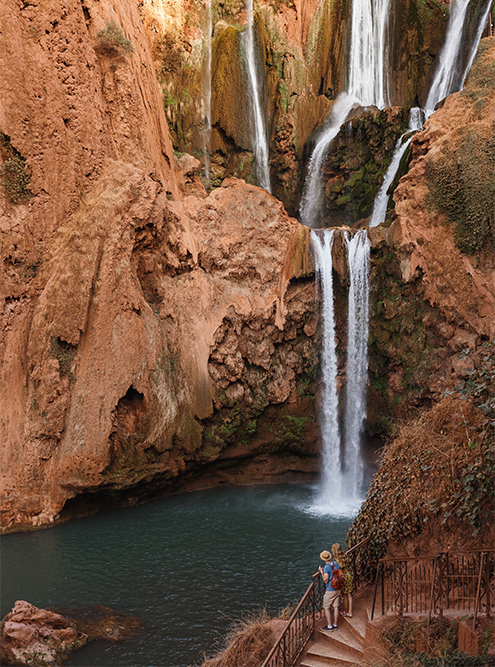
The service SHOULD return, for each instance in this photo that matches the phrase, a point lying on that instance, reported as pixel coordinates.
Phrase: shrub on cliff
(461, 178)
(112, 41)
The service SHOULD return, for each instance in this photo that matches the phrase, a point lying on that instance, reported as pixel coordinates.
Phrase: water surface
(186, 566)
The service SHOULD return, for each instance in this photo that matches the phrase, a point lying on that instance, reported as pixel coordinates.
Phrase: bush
(112, 41)
(247, 643)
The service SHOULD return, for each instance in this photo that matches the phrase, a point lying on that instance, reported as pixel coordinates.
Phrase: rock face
(32, 636)
(151, 331)
(113, 295)
(301, 51)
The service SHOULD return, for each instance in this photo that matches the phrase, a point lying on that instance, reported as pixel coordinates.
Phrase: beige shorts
(331, 599)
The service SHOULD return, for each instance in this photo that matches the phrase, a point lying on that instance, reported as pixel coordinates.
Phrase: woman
(343, 561)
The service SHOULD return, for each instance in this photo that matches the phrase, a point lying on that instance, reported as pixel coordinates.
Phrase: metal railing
(302, 624)
(300, 627)
(435, 584)
(361, 566)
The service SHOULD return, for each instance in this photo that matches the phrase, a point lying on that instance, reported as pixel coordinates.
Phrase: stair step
(326, 648)
(344, 638)
(310, 661)
(357, 624)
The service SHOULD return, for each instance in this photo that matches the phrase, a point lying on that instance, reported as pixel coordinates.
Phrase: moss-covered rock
(461, 177)
(356, 163)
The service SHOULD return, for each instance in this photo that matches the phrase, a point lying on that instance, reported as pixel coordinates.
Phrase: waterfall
(367, 79)
(449, 75)
(322, 242)
(207, 93)
(381, 200)
(358, 249)
(474, 46)
(366, 85)
(259, 139)
(311, 200)
(447, 72)
(447, 79)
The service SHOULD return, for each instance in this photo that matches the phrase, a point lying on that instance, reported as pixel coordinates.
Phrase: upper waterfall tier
(367, 57)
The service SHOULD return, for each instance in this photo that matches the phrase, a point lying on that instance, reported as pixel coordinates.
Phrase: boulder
(33, 636)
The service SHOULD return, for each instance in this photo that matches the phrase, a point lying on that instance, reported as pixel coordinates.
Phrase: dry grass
(246, 644)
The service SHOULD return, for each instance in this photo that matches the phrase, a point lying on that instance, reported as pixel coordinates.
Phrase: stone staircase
(343, 647)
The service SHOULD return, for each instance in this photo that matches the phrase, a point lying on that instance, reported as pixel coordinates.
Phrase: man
(331, 598)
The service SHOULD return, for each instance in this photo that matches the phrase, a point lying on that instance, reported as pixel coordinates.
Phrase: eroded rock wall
(114, 289)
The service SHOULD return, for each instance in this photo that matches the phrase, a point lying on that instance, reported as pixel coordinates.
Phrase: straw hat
(326, 556)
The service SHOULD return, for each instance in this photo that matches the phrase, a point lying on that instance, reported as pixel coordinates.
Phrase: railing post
(383, 589)
(433, 577)
(487, 585)
(374, 594)
(482, 560)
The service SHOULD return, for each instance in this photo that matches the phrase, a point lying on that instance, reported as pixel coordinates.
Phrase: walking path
(343, 647)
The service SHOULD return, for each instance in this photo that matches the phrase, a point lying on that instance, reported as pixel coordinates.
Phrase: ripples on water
(185, 566)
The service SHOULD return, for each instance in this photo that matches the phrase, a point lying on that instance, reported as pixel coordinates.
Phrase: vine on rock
(440, 466)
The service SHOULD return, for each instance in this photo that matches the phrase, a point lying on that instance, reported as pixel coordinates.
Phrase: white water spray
(260, 143)
(381, 200)
(330, 490)
(311, 201)
(358, 249)
(207, 93)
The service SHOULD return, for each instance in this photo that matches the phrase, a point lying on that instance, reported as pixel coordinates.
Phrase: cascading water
(358, 250)
(381, 200)
(444, 81)
(207, 90)
(366, 85)
(474, 47)
(311, 200)
(322, 242)
(367, 78)
(448, 78)
(260, 143)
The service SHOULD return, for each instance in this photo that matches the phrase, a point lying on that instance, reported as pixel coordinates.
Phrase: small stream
(185, 566)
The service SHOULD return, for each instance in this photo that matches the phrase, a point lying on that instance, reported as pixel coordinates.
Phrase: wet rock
(33, 636)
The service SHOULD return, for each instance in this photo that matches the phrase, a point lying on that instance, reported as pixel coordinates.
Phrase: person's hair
(337, 552)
